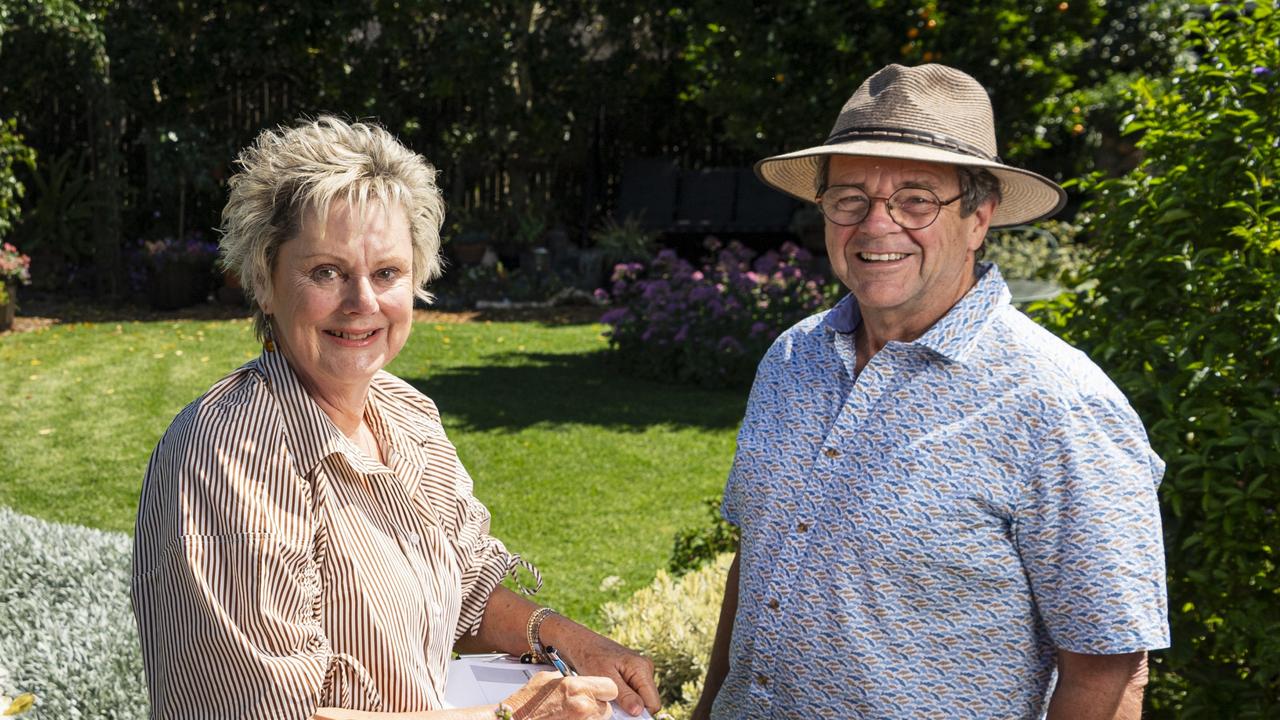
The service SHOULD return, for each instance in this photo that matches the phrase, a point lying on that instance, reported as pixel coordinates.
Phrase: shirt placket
(795, 592)
(412, 535)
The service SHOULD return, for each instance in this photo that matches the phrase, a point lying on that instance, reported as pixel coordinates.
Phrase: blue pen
(554, 657)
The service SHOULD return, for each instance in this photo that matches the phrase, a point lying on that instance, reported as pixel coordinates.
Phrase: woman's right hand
(550, 696)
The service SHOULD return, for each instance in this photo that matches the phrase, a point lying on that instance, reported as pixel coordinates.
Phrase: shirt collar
(312, 435)
(956, 333)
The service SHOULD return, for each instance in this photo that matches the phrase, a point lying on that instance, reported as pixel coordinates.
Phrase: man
(944, 508)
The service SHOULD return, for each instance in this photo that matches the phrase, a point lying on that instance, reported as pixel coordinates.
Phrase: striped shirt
(277, 569)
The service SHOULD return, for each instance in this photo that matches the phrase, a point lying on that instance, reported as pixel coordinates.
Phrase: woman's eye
(324, 273)
(387, 274)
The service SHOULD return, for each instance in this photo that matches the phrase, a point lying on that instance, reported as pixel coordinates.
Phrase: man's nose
(878, 217)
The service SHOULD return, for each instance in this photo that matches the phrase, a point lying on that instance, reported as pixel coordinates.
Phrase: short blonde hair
(292, 171)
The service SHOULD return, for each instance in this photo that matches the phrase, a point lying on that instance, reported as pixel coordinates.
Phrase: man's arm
(718, 668)
(1099, 687)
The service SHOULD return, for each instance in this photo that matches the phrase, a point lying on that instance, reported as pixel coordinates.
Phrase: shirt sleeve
(226, 586)
(1089, 532)
(484, 560)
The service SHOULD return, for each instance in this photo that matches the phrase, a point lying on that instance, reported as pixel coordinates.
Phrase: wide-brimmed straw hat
(931, 113)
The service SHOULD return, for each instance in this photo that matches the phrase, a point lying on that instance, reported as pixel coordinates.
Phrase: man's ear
(981, 219)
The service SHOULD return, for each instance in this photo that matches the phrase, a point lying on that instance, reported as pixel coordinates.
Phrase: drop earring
(268, 342)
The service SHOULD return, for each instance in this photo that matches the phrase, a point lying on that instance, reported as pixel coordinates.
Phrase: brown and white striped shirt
(276, 568)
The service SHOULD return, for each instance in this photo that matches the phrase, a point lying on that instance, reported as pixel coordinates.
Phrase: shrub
(674, 623)
(695, 547)
(1048, 252)
(12, 154)
(174, 273)
(1185, 317)
(708, 326)
(15, 269)
(67, 633)
(623, 242)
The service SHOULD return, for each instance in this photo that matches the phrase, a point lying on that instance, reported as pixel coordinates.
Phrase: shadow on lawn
(577, 388)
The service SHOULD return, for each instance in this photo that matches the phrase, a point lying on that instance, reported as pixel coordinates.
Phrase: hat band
(914, 137)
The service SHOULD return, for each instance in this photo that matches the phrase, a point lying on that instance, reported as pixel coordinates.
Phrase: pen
(554, 657)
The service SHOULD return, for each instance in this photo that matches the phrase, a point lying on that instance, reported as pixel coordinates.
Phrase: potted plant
(178, 273)
(467, 237)
(15, 270)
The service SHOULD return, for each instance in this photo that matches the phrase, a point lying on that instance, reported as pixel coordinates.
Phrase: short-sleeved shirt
(917, 542)
(277, 568)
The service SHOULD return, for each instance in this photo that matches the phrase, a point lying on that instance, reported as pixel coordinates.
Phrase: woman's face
(342, 296)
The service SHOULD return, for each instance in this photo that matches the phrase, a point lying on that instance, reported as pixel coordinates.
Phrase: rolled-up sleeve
(226, 587)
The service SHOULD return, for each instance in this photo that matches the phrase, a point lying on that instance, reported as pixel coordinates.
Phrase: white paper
(490, 679)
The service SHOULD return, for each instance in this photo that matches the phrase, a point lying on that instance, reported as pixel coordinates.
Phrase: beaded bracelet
(503, 712)
(532, 633)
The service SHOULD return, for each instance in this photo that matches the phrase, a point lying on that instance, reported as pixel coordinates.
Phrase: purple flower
(614, 316)
(758, 327)
(729, 345)
(701, 293)
(682, 334)
(1260, 70)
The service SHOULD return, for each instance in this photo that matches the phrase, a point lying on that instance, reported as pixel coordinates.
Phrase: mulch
(43, 312)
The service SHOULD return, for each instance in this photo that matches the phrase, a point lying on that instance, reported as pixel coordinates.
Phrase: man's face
(906, 278)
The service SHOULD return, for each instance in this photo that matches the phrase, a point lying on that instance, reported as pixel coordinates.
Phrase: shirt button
(830, 452)
(802, 527)
(414, 538)
(773, 603)
(762, 680)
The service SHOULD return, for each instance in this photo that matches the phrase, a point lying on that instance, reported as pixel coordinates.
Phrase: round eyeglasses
(911, 208)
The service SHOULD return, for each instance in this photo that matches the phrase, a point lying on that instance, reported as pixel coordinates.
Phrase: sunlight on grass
(588, 474)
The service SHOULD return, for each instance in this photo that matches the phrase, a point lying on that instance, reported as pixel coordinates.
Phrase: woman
(307, 542)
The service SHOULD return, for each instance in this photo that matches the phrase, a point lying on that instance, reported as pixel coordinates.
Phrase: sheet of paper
(490, 679)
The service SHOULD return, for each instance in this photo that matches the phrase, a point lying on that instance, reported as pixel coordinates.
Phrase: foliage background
(529, 108)
(1184, 314)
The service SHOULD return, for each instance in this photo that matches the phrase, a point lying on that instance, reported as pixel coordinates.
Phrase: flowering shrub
(174, 273)
(194, 250)
(673, 621)
(708, 325)
(15, 268)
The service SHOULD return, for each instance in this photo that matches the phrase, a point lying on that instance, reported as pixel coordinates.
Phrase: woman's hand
(549, 696)
(594, 654)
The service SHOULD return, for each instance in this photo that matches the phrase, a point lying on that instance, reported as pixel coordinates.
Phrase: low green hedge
(67, 633)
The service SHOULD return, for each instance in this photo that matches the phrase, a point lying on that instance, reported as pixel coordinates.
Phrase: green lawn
(588, 473)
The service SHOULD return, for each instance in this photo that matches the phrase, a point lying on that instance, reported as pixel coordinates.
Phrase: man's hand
(1099, 687)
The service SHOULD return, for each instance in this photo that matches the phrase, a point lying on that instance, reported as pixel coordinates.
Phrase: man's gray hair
(291, 174)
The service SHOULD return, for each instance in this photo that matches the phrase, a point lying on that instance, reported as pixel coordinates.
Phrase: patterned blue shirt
(919, 542)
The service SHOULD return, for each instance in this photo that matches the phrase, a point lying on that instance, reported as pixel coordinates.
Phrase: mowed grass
(588, 473)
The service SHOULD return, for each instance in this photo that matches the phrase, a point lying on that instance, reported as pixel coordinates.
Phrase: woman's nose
(360, 297)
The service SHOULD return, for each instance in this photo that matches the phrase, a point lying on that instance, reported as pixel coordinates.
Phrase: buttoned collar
(955, 335)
